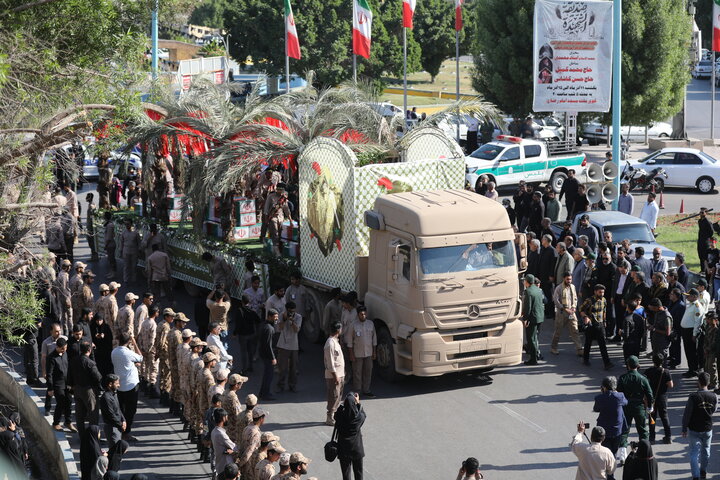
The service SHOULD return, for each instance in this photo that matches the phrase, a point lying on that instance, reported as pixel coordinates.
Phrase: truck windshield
(636, 233)
(462, 258)
(489, 151)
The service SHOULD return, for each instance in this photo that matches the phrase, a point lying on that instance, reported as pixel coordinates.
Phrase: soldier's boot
(199, 442)
(186, 425)
(206, 455)
(181, 411)
(173, 407)
(153, 392)
(191, 435)
(143, 385)
(164, 400)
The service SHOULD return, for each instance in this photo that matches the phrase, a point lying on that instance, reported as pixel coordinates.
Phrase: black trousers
(612, 443)
(675, 350)
(595, 331)
(63, 405)
(30, 359)
(660, 411)
(128, 406)
(690, 349)
(357, 467)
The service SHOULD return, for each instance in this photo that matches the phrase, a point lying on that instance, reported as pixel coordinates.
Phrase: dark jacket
(699, 409)
(640, 288)
(57, 371)
(11, 447)
(633, 329)
(641, 464)
(546, 267)
(110, 408)
(569, 189)
(265, 342)
(605, 275)
(677, 310)
(646, 267)
(683, 275)
(349, 419)
(533, 309)
(537, 213)
(246, 320)
(610, 407)
(591, 233)
(85, 374)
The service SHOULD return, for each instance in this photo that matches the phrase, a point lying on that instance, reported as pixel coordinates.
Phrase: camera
(587, 426)
(633, 446)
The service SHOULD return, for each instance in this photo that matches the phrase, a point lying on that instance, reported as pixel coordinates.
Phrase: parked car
(702, 69)
(544, 128)
(118, 161)
(685, 167)
(387, 110)
(449, 126)
(622, 226)
(596, 133)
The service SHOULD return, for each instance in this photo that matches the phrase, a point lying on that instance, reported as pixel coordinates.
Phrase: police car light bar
(509, 138)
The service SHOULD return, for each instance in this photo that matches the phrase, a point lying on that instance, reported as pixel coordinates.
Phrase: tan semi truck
(437, 266)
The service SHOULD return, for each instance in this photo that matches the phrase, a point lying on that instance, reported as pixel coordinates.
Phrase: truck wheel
(192, 289)
(312, 323)
(557, 179)
(386, 354)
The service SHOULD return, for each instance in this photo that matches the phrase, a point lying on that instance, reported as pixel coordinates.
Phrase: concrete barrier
(58, 461)
(660, 143)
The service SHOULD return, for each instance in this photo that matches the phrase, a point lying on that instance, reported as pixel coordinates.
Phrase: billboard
(572, 56)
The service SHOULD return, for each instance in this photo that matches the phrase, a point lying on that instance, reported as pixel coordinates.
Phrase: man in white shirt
(287, 345)
(223, 447)
(334, 370)
(225, 360)
(256, 295)
(690, 329)
(595, 462)
(650, 212)
(297, 293)
(276, 301)
(125, 363)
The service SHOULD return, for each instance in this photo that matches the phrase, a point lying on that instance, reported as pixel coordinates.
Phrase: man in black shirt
(570, 190)
(57, 383)
(697, 425)
(246, 324)
(660, 381)
(110, 407)
(267, 353)
(86, 381)
(705, 232)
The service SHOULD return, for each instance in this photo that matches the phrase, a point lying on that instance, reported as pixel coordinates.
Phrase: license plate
(471, 346)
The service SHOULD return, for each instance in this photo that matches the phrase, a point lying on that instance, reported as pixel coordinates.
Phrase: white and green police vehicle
(508, 160)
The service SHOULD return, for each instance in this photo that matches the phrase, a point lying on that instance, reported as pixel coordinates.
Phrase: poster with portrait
(572, 56)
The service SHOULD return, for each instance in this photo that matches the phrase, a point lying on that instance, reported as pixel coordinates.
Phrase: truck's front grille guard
(455, 316)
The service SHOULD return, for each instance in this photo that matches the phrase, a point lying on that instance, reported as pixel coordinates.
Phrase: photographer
(594, 460)
(640, 464)
(470, 470)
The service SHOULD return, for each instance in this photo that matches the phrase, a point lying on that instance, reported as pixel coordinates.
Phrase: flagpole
(405, 105)
(457, 79)
(287, 59)
(352, 39)
(712, 100)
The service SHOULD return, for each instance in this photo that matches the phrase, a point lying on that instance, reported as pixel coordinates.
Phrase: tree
(210, 13)
(503, 52)
(435, 32)
(325, 30)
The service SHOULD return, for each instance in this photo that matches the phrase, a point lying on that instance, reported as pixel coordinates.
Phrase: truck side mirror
(522, 251)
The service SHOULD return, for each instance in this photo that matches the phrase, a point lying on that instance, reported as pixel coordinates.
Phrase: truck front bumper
(436, 352)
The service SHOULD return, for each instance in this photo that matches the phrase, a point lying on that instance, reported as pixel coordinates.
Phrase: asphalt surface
(517, 421)
(698, 110)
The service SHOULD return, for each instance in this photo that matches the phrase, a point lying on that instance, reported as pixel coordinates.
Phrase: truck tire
(385, 360)
(312, 323)
(557, 179)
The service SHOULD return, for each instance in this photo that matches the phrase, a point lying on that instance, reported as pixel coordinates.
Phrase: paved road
(514, 420)
(698, 109)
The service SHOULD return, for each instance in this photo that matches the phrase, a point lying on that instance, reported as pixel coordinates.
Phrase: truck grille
(486, 313)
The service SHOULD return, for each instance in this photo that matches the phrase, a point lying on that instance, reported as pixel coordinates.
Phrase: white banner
(572, 44)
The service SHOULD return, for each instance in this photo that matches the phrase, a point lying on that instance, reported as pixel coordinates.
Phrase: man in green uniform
(637, 390)
(533, 315)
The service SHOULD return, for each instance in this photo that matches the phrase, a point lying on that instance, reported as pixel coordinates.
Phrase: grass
(445, 80)
(682, 237)
(397, 99)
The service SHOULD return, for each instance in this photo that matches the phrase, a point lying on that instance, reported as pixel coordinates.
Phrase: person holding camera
(470, 470)
(594, 460)
(640, 463)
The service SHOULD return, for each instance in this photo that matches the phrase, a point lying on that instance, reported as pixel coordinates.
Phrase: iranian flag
(716, 26)
(458, 15)
(408, 12)
(362, 28)
(292, 44)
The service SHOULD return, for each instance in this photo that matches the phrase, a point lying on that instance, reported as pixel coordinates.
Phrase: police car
(508, 160)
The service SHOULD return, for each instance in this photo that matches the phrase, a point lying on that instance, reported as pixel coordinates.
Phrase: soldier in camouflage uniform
(194, 363)
(249, 442)
(63, 297)
(76, 279)
(206, 381)
(196, 368)
(174, 339)
(231, 404)
(260, 452)
(161, 350)
(125, 322)
(181, 355)
(246, 417)
(83, 296)
(146, 341)
(106, 306)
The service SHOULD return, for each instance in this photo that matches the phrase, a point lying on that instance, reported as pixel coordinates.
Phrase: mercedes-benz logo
(473, 311)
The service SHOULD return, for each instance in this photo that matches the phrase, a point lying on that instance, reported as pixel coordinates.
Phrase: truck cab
(508, 160)
(443, 285)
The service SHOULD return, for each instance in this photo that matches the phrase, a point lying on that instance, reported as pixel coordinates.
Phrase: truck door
(400, 269)
(510, 164)
(535, 165)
